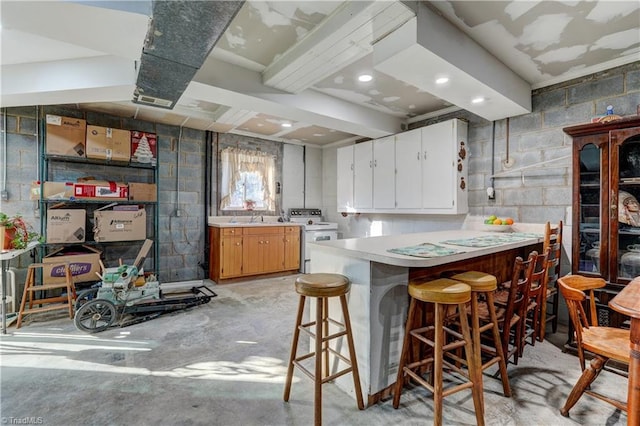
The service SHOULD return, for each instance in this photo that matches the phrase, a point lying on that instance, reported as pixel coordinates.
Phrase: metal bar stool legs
(322, 287)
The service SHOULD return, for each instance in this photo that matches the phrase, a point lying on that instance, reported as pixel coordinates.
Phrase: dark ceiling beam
(181, 36)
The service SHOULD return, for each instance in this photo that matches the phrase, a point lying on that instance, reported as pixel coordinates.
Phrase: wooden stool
(485, 284)
(322, 287)
(55, 303)
(442, 293)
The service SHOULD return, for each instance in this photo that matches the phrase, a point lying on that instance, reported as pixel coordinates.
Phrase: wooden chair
(604, 343)
(510, 301)
(536, 297)
(552, 241)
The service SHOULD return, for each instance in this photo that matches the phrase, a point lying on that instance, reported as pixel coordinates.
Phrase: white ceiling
(298, 61)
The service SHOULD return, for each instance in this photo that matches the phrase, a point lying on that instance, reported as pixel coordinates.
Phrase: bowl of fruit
(496, 224)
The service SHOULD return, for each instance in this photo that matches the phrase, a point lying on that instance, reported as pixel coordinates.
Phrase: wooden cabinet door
(292, 248)
(272, 253)
(252, 254)
(231, 256)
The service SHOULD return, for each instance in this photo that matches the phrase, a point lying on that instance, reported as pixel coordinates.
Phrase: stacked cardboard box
(121, 223)
(106, 143)
(66, 136)
(84, 262)
(66, 225)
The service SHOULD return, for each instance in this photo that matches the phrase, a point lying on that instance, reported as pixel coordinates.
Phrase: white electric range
(315, 229)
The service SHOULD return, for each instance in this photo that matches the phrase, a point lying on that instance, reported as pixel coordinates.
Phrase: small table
(5, 258)
(627, 302)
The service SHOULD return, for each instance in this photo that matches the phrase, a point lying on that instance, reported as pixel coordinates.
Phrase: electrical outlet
(178, 213)
(4, 195)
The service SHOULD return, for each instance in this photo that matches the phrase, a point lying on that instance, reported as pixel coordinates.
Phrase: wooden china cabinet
(606, 214)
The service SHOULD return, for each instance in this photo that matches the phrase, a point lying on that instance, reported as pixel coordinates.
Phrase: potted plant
(16, 233)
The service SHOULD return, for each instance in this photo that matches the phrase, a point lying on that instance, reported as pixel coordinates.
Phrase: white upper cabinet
(419, 171)
(345, 178)
(409, 171)
(363, 175)
(384, 170)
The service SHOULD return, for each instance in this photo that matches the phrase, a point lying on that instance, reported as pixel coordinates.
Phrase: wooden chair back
(572, 288)
(553, 241)
(530, 310)
(516, 303)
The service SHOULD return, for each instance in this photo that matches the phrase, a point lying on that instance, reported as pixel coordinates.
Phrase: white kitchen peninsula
(378, 301)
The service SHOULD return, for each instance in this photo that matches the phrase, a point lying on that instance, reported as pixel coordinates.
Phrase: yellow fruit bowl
(496, 228)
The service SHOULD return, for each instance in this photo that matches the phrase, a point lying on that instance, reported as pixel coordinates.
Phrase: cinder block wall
(544, 193)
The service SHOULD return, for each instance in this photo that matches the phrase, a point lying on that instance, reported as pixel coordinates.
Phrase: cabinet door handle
(370, 164)
(418, 155)
(425, 155)
(375, 163)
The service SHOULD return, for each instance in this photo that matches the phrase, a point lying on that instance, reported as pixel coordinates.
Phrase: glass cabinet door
(589, 209)
(625, 231)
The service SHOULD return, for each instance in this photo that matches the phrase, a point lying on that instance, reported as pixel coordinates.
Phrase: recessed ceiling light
(442, 80)
(477, 100)
(286, 124)
(365, 77)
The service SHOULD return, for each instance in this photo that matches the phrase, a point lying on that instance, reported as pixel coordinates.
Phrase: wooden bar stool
(443, 293)
(485, 284)
(65, 301)
(322, 287)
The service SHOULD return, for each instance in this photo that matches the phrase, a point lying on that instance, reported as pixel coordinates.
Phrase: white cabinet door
(384, 167)
(345, 178)
(409, 169)
(363, 175)
(438, 179)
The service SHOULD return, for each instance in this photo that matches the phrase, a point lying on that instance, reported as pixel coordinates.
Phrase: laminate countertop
(376, 249)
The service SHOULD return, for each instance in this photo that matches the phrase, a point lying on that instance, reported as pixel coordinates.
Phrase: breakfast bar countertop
(376, 249)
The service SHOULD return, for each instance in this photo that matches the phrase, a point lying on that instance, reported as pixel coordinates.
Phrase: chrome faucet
(254, 217)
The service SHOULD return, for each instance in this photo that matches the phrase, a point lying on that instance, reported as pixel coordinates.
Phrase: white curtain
(234, 162)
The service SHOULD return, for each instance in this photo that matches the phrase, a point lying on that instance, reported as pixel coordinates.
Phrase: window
(248, 180)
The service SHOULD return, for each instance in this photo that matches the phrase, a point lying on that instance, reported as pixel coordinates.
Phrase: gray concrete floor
(224, 363)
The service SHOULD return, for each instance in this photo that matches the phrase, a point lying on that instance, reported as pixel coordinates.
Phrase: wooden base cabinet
(606, 213)
(247, 251)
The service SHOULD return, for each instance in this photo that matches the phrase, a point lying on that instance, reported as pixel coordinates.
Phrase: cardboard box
(66, 136)
(142, 191)
(106, 143)
(56, 190)
(144, 147)
(101, 190)
(66, 225)
(114, 225)
(84, 262)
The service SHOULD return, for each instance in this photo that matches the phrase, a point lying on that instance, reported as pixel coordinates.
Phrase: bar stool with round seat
(442, 294)
(323, 286)
(483, 284)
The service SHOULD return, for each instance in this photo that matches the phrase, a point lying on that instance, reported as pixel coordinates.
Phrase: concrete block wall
(542, 193)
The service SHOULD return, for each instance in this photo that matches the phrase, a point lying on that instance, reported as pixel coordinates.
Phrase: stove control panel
(305, 213)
